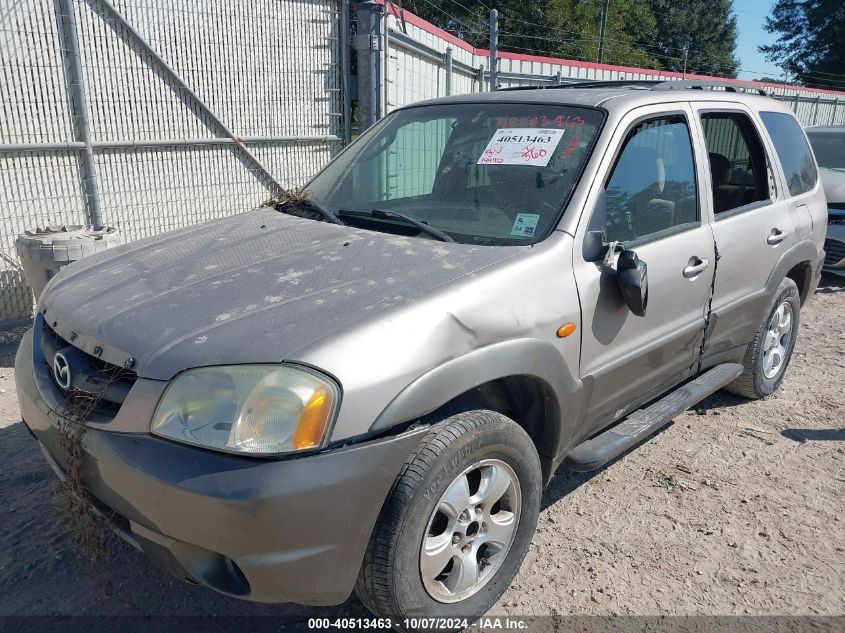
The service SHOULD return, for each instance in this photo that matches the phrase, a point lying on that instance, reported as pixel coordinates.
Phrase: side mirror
(595, 246)
(632, 277)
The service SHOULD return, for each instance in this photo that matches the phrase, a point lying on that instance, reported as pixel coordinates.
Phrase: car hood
(833, 181)
(251, 288)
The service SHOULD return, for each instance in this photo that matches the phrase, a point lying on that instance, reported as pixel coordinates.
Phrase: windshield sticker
(525, 224)
(521, 146)
(541, 120)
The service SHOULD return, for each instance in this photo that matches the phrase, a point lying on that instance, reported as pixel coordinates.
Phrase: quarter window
(652, 189)
(793, 151)
(738, 167)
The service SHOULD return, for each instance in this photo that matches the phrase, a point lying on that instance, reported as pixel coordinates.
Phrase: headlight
(255, 409)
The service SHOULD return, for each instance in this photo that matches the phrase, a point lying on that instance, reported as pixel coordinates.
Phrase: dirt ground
(736, 508)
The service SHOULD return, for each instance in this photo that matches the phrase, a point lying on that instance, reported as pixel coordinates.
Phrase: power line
(647, 48)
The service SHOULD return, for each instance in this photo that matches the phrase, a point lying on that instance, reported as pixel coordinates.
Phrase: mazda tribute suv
(366, 384)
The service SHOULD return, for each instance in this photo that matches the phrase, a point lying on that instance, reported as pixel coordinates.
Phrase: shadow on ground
(814, 435)
(9, 341)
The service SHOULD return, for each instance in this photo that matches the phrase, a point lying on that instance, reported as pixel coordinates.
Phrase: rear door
(752, 224)
(651, 185)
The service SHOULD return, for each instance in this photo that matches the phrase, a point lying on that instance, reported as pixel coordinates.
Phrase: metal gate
(155, 115)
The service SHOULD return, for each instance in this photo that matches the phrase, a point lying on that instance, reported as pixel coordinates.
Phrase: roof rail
(699, 84)
(653, 84)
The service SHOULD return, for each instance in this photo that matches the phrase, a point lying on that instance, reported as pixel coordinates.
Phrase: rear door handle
(695, 267)
(776, 237)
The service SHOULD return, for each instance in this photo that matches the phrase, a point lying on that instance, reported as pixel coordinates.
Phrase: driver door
(652, 206)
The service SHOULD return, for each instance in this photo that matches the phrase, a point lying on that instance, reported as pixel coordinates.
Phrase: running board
(595, 452)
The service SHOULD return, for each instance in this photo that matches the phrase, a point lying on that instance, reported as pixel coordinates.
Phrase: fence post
(494, 49)
(447, 64)
(368, 50)
(816, 109)
(833, 111)
(75, 82)
(481, 78)
(345, 71)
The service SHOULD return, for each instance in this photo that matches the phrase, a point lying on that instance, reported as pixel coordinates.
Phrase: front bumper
(293, 530)
(834, 246)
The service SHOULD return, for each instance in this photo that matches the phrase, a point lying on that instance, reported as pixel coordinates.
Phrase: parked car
(369, 384)
(828, 143)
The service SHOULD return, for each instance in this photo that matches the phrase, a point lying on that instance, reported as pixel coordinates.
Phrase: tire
(760, 378)
(481, 448)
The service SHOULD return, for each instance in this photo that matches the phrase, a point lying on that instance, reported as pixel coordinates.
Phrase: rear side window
(739, 176)
(652, 189)
(793, 151)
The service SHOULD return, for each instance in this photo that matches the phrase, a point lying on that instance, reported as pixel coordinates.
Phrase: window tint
(793, 151)
(652, 188)
(738, 166)
(829, 147)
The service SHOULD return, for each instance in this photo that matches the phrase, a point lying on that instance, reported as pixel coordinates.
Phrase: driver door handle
(694, 269)
(776, 237)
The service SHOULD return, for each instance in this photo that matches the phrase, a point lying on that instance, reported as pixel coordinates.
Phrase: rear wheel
(457, 524)
(768, 355)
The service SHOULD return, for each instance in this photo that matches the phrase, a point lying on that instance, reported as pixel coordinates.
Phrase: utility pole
(494, 49)
(368, 46)
(602, 30)
(686, 52)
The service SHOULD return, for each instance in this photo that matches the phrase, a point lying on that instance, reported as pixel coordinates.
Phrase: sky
(750, 18)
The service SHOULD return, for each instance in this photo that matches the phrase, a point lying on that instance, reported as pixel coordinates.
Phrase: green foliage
(629, 23)
(705, 28)
(809, 41)
(644, 33)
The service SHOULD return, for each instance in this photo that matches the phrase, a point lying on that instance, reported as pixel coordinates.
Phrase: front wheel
(457, 524)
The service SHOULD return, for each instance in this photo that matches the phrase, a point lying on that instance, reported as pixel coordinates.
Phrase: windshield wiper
(313, 206)
(384, 213)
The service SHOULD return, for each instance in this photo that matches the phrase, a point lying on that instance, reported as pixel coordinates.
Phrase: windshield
(829, 147)
(484, 173)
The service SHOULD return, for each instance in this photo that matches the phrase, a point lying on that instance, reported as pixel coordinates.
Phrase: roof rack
(651, 84)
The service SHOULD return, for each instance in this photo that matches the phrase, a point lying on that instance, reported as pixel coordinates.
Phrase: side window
(652, 188)
(738, 168)
(793, 151)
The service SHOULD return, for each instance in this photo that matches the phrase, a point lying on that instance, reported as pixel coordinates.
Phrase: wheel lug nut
(466, 549)
(456, 538)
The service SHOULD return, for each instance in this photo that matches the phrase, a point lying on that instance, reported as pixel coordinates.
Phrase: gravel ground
(736, 508)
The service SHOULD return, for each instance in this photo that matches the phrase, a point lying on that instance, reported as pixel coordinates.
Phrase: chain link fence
(151, 115)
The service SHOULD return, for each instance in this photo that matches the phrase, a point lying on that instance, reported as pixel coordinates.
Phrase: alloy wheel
(470, 531)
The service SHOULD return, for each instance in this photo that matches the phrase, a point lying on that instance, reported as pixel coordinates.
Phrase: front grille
(834, 252)
(92, 386)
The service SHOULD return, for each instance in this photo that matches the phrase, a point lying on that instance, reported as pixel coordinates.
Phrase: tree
(559, 28)
(644, 33)
(629, 24)
(705, 28)
(809, 43)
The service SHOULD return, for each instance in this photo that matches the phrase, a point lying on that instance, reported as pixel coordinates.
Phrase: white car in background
(829, 147)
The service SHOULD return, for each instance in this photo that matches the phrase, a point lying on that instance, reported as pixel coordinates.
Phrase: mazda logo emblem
(61, 371)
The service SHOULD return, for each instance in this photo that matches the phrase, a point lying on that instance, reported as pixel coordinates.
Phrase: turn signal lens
(313, 420)
(566, 329)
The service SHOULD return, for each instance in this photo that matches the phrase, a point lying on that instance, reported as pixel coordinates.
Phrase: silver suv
(368, 384)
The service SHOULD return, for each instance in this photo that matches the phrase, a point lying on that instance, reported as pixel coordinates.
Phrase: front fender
(517, 357)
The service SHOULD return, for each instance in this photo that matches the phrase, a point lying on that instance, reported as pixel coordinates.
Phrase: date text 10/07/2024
(433, 624)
